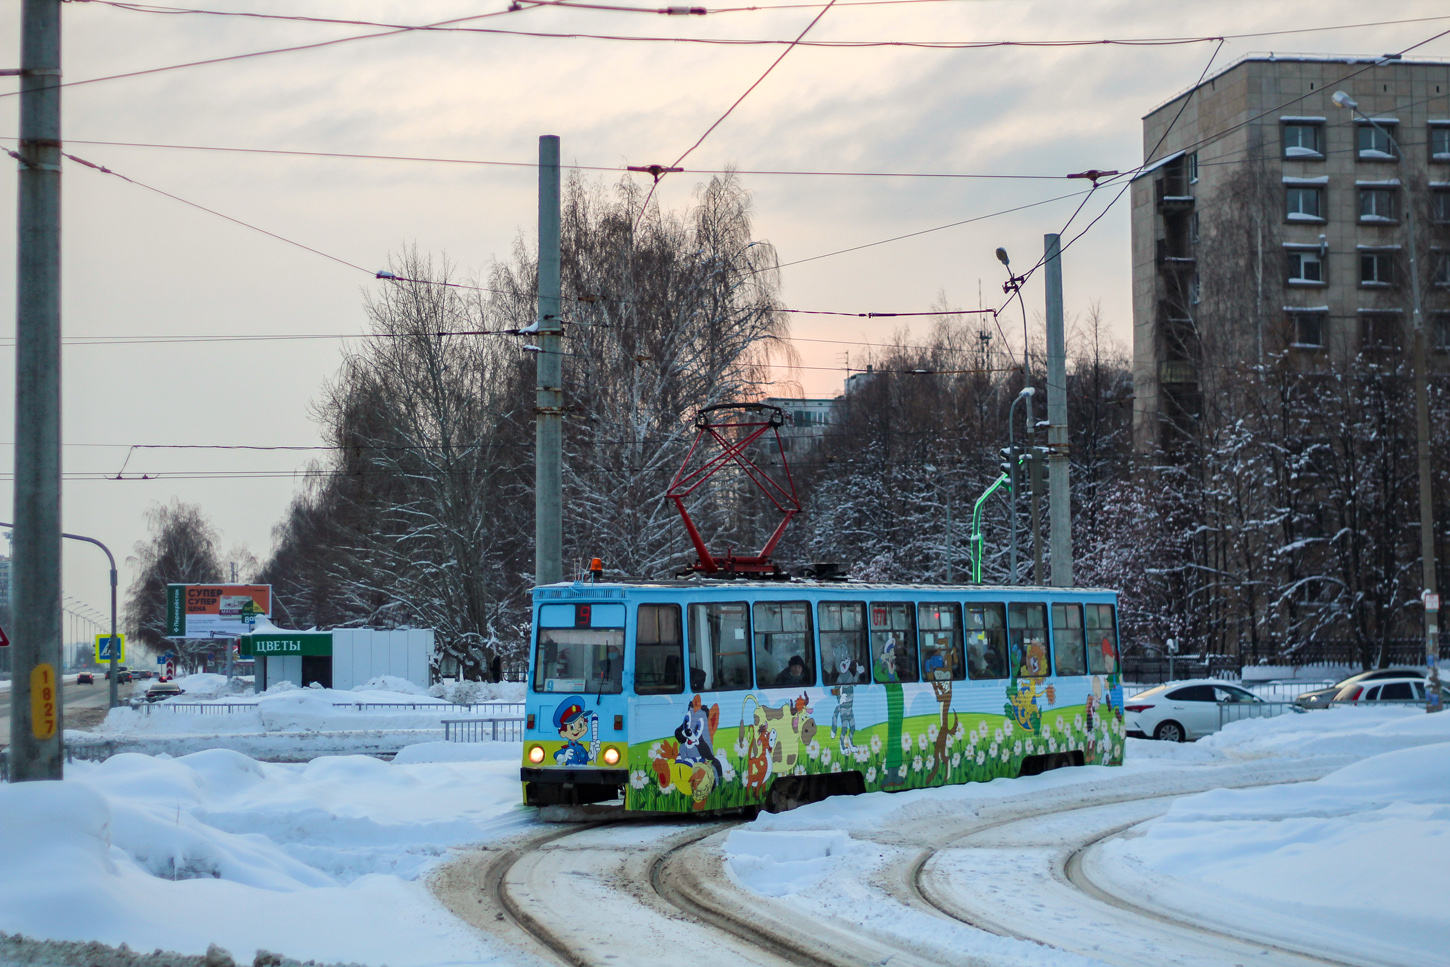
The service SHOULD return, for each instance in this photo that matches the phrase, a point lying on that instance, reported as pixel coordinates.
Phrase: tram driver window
(939, 628)
(659, 650)
(986, 641)
(1102, 638)
(1027, 640)
(1067, 639)
(719, 646)
(785, 654)
(845, 657)
(893, 644)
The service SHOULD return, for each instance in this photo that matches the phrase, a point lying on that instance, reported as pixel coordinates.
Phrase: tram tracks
(659, 894)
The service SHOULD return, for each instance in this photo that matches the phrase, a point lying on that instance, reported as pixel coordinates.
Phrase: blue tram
(699, 696)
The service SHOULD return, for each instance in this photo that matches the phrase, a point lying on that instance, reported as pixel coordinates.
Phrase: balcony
(1177, 372)
(1172, 193)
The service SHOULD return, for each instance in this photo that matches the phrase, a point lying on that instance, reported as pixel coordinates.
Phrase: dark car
(122, 677)
(163, 690)
(1321, 697)
(85, 678)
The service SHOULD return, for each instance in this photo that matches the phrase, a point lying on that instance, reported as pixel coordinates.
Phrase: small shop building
(342, 658)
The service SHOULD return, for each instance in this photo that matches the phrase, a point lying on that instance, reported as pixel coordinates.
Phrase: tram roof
(580, 588)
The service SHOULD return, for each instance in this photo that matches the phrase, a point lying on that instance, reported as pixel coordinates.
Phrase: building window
(1193, 223)
(1303, 140)
(1305, 204)
(1380, 331)
(1440, 268)
(1440, 141)
(1377, 204)
(1375, 143)
(1439, 206)
(1192, 164)
(1195, 291)
(1307, 329)
(1306, 267)
(1440, 331)
(1376, 268)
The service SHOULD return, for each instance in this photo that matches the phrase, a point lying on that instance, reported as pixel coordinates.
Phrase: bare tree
(181, 550)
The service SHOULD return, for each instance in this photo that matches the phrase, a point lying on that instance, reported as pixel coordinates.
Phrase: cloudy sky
(138, 264)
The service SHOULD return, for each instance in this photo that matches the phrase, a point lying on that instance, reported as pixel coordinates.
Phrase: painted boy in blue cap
(572, 720)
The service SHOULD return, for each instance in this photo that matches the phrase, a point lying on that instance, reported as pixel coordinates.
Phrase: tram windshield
(584, 660)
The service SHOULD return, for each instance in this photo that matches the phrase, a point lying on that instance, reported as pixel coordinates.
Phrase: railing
(497, 729)
(222, 708)
(1235, 711)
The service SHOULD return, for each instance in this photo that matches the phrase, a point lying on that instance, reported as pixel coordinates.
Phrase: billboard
(215, 610)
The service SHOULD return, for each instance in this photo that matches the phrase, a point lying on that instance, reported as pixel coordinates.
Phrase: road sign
(170, 669)
(4, 641)
(105, 644)
(1431, 600)
(211, 610)
(161, 659)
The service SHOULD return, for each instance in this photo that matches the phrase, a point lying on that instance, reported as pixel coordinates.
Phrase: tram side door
(660, 673)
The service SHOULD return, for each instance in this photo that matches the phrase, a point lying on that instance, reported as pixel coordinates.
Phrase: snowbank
(317, 861)
(1357, 861)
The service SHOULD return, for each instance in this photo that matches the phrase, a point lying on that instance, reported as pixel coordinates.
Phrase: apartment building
(1269, 219)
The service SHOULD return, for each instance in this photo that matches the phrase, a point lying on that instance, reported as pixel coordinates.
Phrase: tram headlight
(536, 754)
(611, 756)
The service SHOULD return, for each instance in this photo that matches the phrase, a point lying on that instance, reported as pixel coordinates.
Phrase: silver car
(1322, 697)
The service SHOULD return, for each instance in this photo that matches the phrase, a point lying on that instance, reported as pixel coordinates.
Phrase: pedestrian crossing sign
(105, 644)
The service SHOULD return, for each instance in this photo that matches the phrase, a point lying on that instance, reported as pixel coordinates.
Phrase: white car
(1179, 711)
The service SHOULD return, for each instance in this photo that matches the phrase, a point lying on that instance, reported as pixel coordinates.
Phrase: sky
(139, 264)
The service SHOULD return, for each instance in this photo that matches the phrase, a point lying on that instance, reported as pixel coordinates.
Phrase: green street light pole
(1419, 363)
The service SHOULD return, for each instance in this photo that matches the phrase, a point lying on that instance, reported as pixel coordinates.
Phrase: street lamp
(1013, 286)
(1419, 364)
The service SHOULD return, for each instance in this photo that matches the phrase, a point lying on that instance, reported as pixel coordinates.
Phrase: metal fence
(493, 729)
(1287, 691)
(1234, 711)
(1156, 671)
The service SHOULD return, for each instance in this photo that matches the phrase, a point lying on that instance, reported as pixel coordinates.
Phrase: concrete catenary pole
(549, 399)
(1059, 506)
(35, 705)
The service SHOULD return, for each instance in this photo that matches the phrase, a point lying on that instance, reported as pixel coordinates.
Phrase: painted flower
(916, 763)
(951, 739)
(871, 774)
(1052, 745)
(742, 747)
(930, 763)
(876, 745)
(1077, 722)
(982, 728)
(981, 757)
(1016, 748)
(825, 756)
(655, 752)
(638, 780)
(996, 737)
(956, 759)
(905, 741)
(932, 731)
(921, 742)
(814, 749)
(1007, 728)
(862, 755)
(727, 771)
(992, 750)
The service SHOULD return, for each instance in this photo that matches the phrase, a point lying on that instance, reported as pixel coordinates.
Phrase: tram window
(845, 656)
(1027, 638)
(1067, 639)
(782, 635)
(659, 650)
(587, 660)
(893, 645)
(986, 641)
(1102, 637)
(719, 646)
(939, 630)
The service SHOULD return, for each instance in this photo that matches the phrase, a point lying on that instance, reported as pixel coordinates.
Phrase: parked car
(143, 673)
(1405, 690)
(85, 678)
(163, 690)
(1321, 697)
(1179, 711)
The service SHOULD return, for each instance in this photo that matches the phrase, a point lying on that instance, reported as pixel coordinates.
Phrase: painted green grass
(977, 748)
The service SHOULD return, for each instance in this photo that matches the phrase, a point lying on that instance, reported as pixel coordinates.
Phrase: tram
(698, 696)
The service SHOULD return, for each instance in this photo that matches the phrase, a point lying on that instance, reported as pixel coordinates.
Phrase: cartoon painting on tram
(695, 697)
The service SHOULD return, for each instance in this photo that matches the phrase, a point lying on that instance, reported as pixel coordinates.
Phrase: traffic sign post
(107, 644)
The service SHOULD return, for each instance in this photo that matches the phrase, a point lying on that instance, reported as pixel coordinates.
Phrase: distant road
(83, 705)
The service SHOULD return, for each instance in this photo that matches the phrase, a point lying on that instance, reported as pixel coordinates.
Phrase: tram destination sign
(215, 610)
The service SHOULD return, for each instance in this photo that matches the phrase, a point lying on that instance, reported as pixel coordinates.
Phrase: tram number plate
(563, 684)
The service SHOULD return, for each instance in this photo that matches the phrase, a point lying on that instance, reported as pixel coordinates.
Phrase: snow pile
(468, 693)
(318, 861)
(778, 863)
(391, 683)
(1355, 731)
(201, 687)
(1357, 861)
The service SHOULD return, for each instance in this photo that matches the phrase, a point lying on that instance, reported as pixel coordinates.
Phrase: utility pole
(1034, 483)
(549, 397)
(35, 704)
(1059, 507)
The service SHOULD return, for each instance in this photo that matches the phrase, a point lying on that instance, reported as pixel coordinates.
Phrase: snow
(1296, 151)
(1358, 860)
(322, 860)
